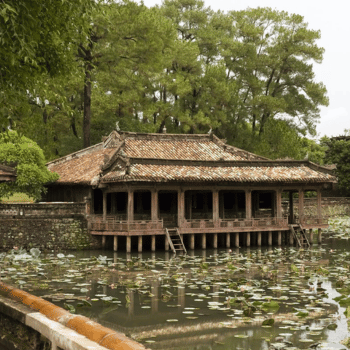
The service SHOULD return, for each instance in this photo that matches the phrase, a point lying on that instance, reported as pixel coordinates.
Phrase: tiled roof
(179, 149)
(167, 173)
(80, 168)
(168, 157)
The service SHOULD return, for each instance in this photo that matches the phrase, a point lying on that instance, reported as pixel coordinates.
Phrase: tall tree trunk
(87, 105)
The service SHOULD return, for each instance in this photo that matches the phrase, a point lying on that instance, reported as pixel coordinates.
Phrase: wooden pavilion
(145, 187)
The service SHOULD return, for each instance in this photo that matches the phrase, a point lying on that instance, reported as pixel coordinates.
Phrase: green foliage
(338, 153)
(32, 173)
(247, 75)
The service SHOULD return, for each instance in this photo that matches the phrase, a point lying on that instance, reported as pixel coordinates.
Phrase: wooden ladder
(175, 240)
(299, 235)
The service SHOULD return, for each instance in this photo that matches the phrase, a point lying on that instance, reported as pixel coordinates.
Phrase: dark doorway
(167, 202)
(198, 205)
(231, 204)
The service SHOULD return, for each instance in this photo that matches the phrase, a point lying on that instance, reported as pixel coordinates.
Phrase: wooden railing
(236, 223)
(111, 223)
(115, 224)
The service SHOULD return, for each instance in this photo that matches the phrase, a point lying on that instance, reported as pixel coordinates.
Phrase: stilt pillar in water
(128, 244)
(103, 242)
(291, 237)
(115, 243)
(258, 239)
(204, 241)
(319, 236)
(228, 240)
(248, 239)
(237, 239)
(269, 238)
(279, 238)
(215, 240)
(139, 245)
(153, 248)
(311, 236)
(166, 244)
(192, 241)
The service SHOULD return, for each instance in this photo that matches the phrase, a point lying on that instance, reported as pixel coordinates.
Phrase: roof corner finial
(117, 126)
(164, 129)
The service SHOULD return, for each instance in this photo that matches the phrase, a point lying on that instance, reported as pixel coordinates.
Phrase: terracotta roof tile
(165, 173)
(80, 168)
(179, 149)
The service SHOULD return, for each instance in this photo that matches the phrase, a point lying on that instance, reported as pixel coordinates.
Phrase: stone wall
(47, 226)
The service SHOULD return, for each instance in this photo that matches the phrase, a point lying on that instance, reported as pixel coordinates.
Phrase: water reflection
(210, 299)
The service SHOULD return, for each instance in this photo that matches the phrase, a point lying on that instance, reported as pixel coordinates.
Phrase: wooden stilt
(279, 238)
(128, 244)
(153, 248)
(166, 244)
(115, 243)
(319, 236)
(228, 240)
(248, 239)
(291, 238)
(311, 236)
(204, 240)
(103, 242)
(139, 245)
(215, 240)
(258, 239)
(192, 241)
(269, 238)
(237, 239)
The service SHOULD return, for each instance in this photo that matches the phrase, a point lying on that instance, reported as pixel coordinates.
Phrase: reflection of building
(139, 184)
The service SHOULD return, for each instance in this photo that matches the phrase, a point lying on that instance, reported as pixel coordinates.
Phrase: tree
(338, 153)
(29, 162)
(270, 58)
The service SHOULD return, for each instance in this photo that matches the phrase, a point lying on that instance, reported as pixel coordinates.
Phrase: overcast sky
(332, 18)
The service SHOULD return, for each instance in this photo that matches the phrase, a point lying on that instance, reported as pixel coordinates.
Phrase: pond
(257, 298)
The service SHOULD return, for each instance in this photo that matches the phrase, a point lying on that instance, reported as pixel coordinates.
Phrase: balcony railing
(111, 223)
(119, 224)
(236, 223)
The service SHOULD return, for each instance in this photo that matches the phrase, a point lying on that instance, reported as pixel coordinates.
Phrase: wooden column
(139, 244)
(215, 206)
(153, 243)
(104, 205)
(204, 240)
(248, 239)
(166, 243)
(180, 207)
(291, 208)
(192, 241)
(279, 238)
(115, 243)
(319, 236)
(113, 202)
(269, 238)
(311, 236)
(258, 239)
(237, 239)
(128, 244)
(301, 206)
(248, 204)
(215, 240)
(130, 206)
(154, 205)
(319, 205)
(228, 240)
(291, 237)
(103, 241)
(279, 203)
